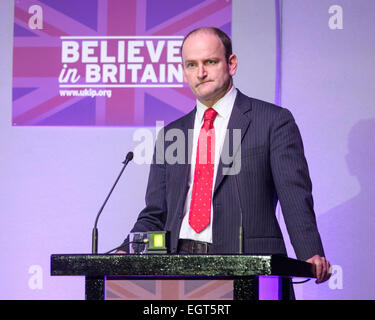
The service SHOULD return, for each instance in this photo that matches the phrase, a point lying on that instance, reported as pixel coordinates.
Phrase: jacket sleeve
(293, 186)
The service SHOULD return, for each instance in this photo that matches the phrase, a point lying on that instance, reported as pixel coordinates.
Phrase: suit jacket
(273, 167)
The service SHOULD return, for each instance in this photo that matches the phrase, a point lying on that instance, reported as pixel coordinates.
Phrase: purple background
(328, 83)
(54, 179)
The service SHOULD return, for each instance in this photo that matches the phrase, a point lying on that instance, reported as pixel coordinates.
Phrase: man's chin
(207, 100)
(205, 92)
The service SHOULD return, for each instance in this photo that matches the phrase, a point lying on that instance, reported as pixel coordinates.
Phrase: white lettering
(68, 74)
(69, 52)
(170, 311)
(155, 54)
(92, 73)
(175, 73)
(104, 61)
(143, 151)
(121, 51)
(162, 73)
(175, 152)
(36, 20)
(133, 50)
(336, 280)
(36, 280)
(134, 68)
(87, 50)
(149, 74)
(109, 73)
(104, 58)
(336, 20)
(173, 51)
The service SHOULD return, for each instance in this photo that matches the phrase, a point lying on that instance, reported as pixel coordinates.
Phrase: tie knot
(210, 115)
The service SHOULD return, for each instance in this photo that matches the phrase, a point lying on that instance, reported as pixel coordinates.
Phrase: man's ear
(232, 64)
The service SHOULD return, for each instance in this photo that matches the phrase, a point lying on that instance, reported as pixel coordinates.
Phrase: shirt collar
(223, 107)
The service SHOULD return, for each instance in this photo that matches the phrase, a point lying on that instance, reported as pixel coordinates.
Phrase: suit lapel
(239, 119)
(181, 171)
(187, 128)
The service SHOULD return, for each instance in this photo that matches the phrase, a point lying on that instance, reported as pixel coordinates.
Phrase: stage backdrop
(106, 63)
(328, 68)
(82, 80)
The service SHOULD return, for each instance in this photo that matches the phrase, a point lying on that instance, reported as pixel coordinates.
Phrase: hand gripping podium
(243, 269)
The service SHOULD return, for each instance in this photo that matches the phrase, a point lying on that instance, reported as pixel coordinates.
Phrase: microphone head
(129, 156)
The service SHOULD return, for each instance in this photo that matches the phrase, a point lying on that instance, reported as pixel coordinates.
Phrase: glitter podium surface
(243, 269)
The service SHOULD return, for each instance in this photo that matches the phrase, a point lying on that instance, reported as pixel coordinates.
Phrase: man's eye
(211, 62)
(190, 65)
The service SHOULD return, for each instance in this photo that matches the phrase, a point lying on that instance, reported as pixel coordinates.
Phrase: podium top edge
(172, 264)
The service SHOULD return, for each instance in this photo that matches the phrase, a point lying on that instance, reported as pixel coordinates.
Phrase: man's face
(205, 67)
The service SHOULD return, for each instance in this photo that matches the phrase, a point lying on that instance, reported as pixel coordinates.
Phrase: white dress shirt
(223, 107)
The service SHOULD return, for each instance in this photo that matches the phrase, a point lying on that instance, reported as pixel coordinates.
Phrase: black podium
(243, 269)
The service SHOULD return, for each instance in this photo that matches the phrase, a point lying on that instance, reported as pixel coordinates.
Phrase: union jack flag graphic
(169, 290)
(51, 91)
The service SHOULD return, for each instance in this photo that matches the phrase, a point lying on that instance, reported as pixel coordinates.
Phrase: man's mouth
(202, 83)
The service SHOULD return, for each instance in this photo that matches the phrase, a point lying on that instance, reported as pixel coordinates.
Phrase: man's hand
(322, 268)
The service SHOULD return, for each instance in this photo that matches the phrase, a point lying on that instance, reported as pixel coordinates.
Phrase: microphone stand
(128, 158)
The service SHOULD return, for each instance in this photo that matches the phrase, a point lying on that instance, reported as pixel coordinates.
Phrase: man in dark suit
(219, 206)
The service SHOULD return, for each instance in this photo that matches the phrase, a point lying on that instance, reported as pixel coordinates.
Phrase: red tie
(200, 206)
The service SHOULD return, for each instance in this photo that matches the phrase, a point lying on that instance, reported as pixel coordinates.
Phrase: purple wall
(328, 83)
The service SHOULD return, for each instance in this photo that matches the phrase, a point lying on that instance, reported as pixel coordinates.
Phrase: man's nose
(202, 72)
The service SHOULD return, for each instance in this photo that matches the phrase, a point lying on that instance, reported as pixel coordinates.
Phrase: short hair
(224, 38)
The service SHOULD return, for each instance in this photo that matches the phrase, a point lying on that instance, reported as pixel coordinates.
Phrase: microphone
(129, 157)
